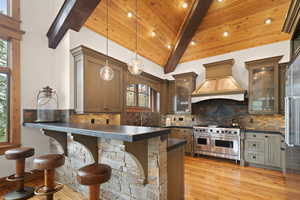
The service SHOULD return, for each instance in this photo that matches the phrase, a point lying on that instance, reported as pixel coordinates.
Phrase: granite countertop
(188, 127)
(174, 143)
(247, 130)
(124, 133)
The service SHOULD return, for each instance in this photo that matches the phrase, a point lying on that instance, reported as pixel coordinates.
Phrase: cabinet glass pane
(4, 107)
(182, 96)
(263, 88)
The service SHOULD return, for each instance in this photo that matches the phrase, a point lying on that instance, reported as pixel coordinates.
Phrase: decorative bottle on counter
(47, 105)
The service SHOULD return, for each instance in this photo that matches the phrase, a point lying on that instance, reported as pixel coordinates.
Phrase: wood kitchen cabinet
(184, 86)
(186, 134)
(264, 149)
(264, 85)
(92, 94)
(282, 79)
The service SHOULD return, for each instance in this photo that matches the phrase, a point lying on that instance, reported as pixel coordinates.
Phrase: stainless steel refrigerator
(292, 117)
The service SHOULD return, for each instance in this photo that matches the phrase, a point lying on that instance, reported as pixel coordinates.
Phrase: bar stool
(93, 175)
(19, 155)
(48, 163)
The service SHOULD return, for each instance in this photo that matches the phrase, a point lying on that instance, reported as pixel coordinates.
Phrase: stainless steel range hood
(219, 83)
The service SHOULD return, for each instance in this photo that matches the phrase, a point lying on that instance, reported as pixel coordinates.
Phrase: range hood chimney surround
(219, 83)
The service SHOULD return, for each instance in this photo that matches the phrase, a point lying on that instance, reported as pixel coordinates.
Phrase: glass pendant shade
(135, 67)
(106, 73)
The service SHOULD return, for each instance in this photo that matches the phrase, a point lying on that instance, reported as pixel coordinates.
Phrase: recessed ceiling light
(185, 5)
(153, 34)
(268, 21)
(169, 46)
(225, 34)
(129, 14)
(193, 43)
(219, 0)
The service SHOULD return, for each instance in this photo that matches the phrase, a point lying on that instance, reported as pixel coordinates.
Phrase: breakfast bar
(137, 156)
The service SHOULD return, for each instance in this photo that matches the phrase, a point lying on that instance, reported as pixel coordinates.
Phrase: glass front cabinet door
(264, 85)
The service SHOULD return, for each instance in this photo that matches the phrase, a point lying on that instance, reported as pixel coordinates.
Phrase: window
(10, 36)
(4, 7)
(131, 95)
(143, 97)
(4, 107)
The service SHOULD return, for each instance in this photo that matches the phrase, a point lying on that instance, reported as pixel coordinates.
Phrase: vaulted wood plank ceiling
(242, 19)
(162, 17)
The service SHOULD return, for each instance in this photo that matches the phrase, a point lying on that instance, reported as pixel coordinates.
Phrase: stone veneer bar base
(127, 181)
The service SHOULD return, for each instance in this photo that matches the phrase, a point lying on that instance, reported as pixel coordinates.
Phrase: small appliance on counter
(47, 105)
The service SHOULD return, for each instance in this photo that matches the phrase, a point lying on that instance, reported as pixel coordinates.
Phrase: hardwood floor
(212, 179)
(207, 179)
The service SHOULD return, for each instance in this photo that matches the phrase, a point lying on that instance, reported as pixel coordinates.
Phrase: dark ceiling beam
(188, 30)
(72, 15)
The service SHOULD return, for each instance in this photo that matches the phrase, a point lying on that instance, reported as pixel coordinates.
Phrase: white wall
(239, 70)
(41, 66)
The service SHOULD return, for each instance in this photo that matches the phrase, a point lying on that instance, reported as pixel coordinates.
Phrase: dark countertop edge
(174, 143)
(93, 133)
(187, 127)
(263, 131)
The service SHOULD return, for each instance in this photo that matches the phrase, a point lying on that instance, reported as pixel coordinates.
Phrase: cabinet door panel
(272, 150)
(93, 101)
(112, 91)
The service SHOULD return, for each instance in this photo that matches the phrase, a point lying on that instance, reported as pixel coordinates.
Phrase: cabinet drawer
(255, 135)
(253, 157)
(255, 145)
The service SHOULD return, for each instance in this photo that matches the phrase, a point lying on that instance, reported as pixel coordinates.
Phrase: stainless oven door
(225, 145)
(201, 143)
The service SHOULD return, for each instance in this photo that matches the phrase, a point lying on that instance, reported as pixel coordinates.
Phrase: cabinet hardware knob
(254, 135)
(282, 149)
(254, 145)
(266, 136)
(254, 157)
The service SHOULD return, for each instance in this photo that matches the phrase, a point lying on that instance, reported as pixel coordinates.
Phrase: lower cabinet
(186, 134)
(264, 149)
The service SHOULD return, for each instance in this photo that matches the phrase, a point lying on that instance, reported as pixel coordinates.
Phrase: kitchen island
(137, 156)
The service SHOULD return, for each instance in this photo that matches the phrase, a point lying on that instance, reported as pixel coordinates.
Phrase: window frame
(151, 99)
(10, 31)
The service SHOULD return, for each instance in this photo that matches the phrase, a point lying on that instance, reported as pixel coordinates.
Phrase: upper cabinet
(92, 94)
(184, 86)
(264, 85)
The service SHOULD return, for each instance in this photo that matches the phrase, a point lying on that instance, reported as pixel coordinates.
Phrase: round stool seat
(48, 161)
(19, 153)
(94, 174)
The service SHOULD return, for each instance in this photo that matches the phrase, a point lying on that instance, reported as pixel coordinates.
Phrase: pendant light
(135, 67)
(106, 72)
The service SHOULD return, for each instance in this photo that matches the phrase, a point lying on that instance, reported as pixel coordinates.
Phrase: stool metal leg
(21, 191)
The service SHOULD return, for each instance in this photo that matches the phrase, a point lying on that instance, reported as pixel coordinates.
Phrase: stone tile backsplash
(221, 112)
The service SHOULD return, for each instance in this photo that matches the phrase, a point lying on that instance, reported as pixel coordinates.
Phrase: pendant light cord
(107, 32)
(136, 30)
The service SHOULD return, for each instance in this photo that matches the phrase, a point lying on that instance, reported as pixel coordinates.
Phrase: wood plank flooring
(212, 179)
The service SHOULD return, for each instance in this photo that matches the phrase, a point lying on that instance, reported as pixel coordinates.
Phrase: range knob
(211, 130)
(222, 131)
(229, 132)
(235, 132)
(226, 131)
(218, 131)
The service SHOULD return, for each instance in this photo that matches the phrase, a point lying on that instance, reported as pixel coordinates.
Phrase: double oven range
(217, 141)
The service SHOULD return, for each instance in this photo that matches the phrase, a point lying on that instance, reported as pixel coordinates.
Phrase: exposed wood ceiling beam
(72, 15)
(187, 32)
